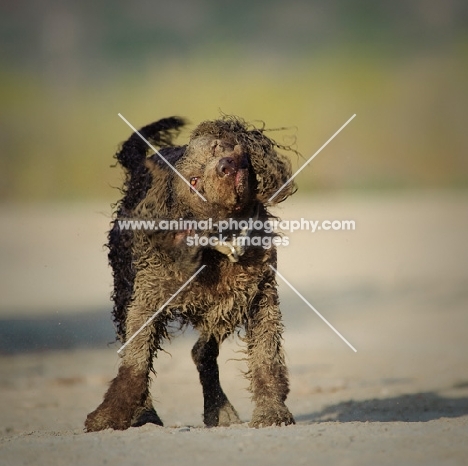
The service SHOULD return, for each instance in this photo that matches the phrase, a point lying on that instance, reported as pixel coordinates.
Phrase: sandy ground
(396, 289)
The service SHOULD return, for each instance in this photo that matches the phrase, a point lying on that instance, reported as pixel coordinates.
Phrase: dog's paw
(228, 415)
(147, 416)
(271, 415)
(104, 418)
(221, 416)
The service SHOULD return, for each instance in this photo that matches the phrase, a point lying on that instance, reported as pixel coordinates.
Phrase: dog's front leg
(128, 401)
(267, 371)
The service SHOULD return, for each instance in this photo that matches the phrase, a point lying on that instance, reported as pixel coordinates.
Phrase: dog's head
(221, 171)
(232, 166)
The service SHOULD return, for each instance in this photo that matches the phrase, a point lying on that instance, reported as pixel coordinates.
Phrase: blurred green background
(67, 68)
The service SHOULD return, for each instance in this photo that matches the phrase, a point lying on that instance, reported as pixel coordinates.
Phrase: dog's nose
(227, 166)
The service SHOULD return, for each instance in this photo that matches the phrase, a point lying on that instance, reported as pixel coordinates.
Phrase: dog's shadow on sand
(418, 407)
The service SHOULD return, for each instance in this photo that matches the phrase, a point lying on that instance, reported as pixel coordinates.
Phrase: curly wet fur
(237, 168)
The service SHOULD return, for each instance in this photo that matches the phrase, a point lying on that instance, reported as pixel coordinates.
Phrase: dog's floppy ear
(159, 202)
(273, 172)
(272, 169)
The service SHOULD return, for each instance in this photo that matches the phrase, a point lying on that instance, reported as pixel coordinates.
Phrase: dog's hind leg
(218, 411)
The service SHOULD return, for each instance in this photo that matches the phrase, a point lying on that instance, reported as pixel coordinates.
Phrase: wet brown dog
(232, 170)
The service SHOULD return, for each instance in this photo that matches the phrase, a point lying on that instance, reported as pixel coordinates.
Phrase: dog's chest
(223, 294)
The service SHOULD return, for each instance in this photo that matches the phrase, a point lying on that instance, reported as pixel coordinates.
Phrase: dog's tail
(161, 133)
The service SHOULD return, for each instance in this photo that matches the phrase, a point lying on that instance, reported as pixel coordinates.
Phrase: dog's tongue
(239, 178)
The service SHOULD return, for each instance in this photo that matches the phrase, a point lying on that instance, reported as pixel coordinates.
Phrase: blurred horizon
(68, 68)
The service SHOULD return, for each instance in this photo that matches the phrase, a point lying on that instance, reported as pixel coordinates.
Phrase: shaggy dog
(228, 170)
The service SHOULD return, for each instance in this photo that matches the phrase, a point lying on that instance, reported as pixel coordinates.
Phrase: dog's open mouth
(240, 179)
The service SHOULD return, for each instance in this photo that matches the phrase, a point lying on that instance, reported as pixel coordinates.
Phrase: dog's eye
(193, 182)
